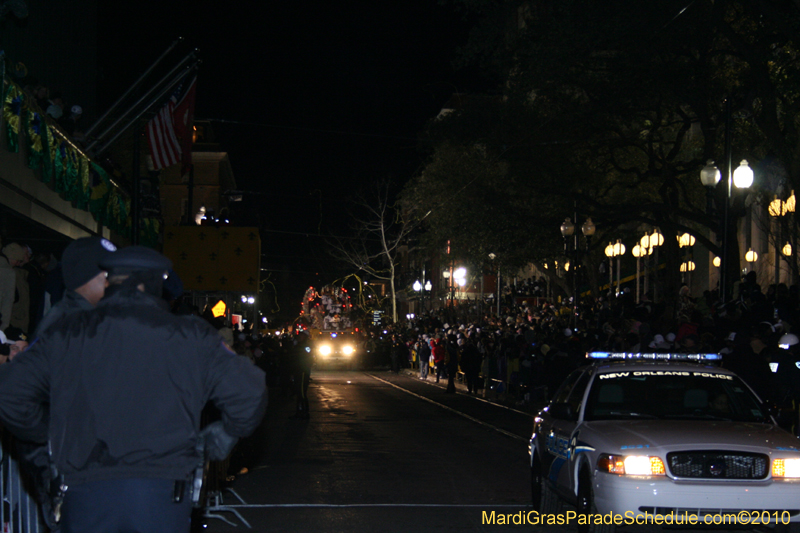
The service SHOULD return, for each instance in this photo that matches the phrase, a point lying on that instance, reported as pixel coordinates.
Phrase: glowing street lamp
(638, 252)
(751, 257)
(460, 276)
(492, 257)
(250, 300)
(686, 241)
(742, 178)
(779, 209)
(457, 277)
(743, 175)
(419, 287)
(573, 250)
(651, 242)
(614, 250)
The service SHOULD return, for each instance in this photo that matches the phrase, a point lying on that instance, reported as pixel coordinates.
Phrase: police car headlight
(347, 349)
(325, 349)
(786, 468)
(632, 465)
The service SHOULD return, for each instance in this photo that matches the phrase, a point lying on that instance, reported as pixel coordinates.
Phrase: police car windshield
(686, 395)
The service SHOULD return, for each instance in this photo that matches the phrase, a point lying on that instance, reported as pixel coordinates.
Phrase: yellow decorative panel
(208, 258)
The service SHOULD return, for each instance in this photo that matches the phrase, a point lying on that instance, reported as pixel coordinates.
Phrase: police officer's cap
(136, 259)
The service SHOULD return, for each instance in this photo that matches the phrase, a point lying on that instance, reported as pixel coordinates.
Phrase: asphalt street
(385, 452)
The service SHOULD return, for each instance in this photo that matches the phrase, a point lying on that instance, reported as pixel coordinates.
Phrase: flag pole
(136, 185)
(132, 87)
(177, 79)
(188, 57)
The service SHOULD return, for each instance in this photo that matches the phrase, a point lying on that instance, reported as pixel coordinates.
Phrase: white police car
(633, 436)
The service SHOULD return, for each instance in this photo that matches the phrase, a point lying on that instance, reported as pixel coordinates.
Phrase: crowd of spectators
(29, 286)
(523, 353)
(526, 351)
(50, 103)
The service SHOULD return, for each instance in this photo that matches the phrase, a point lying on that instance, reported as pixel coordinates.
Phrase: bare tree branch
(383, 229)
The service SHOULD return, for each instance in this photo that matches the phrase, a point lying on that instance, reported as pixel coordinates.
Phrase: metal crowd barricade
(19, 512)
(214, 502)
(213, 492)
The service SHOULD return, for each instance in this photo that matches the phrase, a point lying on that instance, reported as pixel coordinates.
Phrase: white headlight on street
(347, 349)
(325, 349)
(786, 468)
(642, 465)
(632, 465)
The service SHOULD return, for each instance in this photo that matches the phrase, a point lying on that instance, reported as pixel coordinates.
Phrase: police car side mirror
(562, 411)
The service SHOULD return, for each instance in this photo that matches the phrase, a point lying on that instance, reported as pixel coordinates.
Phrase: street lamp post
(638, 252)
(614, 250)
(619, 251)
(449, 280)
(460, 279)
(650, 244)
(492, 256)
(742, 178)
(778, 209)
(252, 301)
(456, 277)
(423, 289)
(609, 251)
(573, 248)
(687, 265)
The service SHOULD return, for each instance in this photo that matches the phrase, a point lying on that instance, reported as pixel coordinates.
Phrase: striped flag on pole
(164, 134)
(183, 124)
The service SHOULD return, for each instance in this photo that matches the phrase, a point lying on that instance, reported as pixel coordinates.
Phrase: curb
(462, 388)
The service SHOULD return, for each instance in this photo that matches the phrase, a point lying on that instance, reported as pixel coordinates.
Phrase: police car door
(563, 420)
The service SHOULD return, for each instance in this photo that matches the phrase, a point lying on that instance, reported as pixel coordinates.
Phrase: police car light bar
(655, 356)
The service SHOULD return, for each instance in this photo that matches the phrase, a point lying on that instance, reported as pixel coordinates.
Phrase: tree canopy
(613, 107)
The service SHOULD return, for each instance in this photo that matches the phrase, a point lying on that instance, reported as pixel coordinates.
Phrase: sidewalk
(489, 394)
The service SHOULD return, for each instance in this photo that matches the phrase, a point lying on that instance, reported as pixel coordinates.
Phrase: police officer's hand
(218, 444)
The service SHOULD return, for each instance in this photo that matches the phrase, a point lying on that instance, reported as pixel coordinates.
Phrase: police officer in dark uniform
(786, 382)
(85, 283)
(84, 280)
(302, 361)
(118, 391)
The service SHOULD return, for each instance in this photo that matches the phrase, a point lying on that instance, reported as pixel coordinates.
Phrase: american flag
(169, 132)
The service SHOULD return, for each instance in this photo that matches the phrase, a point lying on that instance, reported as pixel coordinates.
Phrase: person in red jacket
(438, 352)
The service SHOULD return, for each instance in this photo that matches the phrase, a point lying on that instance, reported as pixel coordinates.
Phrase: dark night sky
(340, 89)
(329, 95)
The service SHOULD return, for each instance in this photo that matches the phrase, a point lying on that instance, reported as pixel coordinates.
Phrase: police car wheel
(543, 498)
(536, 484)
(585, 506)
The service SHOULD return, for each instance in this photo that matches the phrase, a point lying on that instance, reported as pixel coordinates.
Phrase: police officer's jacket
(70, 303)
(119, 390)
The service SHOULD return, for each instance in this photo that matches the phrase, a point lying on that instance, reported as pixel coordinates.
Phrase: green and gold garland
(74, 176)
